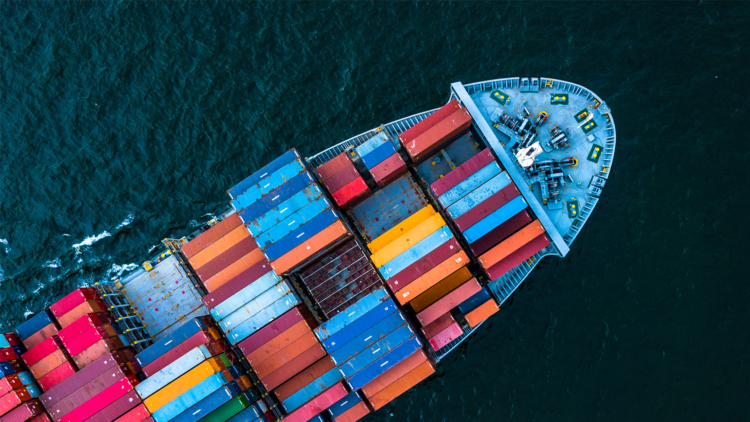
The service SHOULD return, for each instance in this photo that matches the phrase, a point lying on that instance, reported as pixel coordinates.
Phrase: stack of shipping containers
(18, 390)
(343, 181)
(427, 136)
(380, 157)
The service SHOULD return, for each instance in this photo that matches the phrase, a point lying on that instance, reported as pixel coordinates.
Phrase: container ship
(333, 283)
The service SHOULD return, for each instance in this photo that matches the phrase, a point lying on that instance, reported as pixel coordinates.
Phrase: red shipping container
(426, 263)
(42, 417)
(87, 307)
(388, 170)
(13, 399)
(333, 166)
(317, 405)
(12, 339)
(521, 254)
(274, 329)
(449, 301)
(9, 354)
(304, 378)
(446, 336)
(99, 348)
(138, 414)
(227, 258)
(41, 335)
(430, 121)
(211, 235)
(24, 412)
(86, 340)
(197, 339)
(359, 411)
(88, 391)
(487, 207)
(471, 166)
(48, 363)
(17, 365)
(118, 408)
(351, 194)
(236, 284)
(101, 400)
(434, 137)
(279, 342)
(342, 178)
(500, 233)
(9, 382)
(72, 300)
(294, 367)
(397, 371)
(285, 355)
(56, 376)
(118, 358)
(440, 324)
(83, 324)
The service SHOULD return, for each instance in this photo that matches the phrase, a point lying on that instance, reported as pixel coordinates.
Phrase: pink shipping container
(487, 207)
(440, 324)
(41, 335)
(388, 170)
(449, 301)
(500, 233)
(430, 121)
(137, 414)
(236, 284)
(24, 412)
(13, 399)
(446, 336)
(101, 400)
(274, 328)
(8, 383)
(99, 348)
(56, 376)
(426, 263)
(118, 408)
(471, 166)
(42, 417)
(341, 179)
(75, 298)
(41, 350)
(338, 163)
(351, 194)
(83, 324)
(227, 258)
(86, 340)
(87, 391)
(201, 337)
(317, 405)
(521, 254)
(434, 137)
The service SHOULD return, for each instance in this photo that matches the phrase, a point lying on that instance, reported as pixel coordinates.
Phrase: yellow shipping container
(403, 227)
(407, 240)
(182, 384)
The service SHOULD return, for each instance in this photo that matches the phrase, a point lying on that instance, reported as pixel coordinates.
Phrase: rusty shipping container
(347, 175)
(335, 165)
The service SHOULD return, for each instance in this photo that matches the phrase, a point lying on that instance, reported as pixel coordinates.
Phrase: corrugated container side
(137, 414)
(487, 207)
(483, 312)
(416, 252)
(294, 367)
(378, 155)
(484, 226)
(254, 306)
(250, 414)
(117, 408)
(407, 240)
(449, 301)
(265, 171)
(500, 233)
(371, 144)
(474, 301)
(318, 404)
(236, 284)
(228, 410)
(303, 233)
(56, 376)
(351, 194)
(13, 399)
(341, 406)
(83, 324)
(360, 325)
(86, 340)
(335, 165)
(34, 324)
(403, 384)
(440, 324)
(273, 329)
(442, 288)
(48, 331)
(182, 384)
(357, 412)
(471, 166)
(268, 184)
(87, 307)
(305, 377)
(233, 270)
(469, 184)
(276, 197)
(220, 246)
(368, 337)
(430, 121)
(24, 412)
(41, 350)
(432, 277)
(284, 210)
(88, 391)
(172, 371)
(202, 337)
(377, 350)
(278, 231)
(521, 254)
(227, 258)
(48, 363)
(171, 340)
(258, 321)
(511, 244)
(73, 299)
(199, 400)
(101, 400)
(446, 336)
(285, 355)
(479, 195)
(426, 143)
(389, 170)
(384, 363)
(394, 373)
(341, 179)
(279, 342)
(423, 264)
(311, 390)
(203, 240)
(401, 228)
(310, 247)
(335, 324)
(98, 349)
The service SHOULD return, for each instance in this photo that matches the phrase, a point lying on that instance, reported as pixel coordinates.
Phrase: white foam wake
(91, 240)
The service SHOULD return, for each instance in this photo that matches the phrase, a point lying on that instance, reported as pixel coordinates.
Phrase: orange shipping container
(182, 384)
(294, 367)
(286, 354)
(359, 411)
(511, 244)
(279, 342)
(431, 278)
(444, 286)
(310, 247)
(48, 363)
(414, 377)
(304, 378)
(400, 229)
(392, 375)
(218, 247)
(211, 235)
(87, 307)
(483, 312)
(233, 270)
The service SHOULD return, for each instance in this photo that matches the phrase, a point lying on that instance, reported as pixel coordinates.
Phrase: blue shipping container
(256, 177)
(260, 320)
(255, 305)
(169, 342)
(378, 155)
(368, 338)
(416, 252)
(377, 368)
(273, 199)
(212, 402)
(371, 144)
(364, 305)
(474, 301)
(479, 194)
(26, 378)
(467, 185)
(359, 325)
(341, 406)
(4, 341)
(311, 390)
(374, 352)
(292, 223)
(498, 217)
(36, 323)
(284, 210)
(187, 399)
(295, 238)
(250, 414)
(265, 186)
(172, 371)
(246, 294)
(33, 390)
(6, 369)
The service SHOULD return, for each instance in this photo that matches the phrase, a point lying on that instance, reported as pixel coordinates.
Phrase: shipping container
(41, 350)
(250, 414)
(402, 385)
(511, 244)
(320, 403)
(397, 371)
(13, 399)
(254, 305)
(337, 323)
(284, 210)
(428, 122)
(184, 383)
(446, 336)
(279, 342)
(43, 417)
(346, 403)
(416, 252)
(268, 184)
(441, 289)
(98, 349)
(378, 155)
(57, 375)
(347, 175)
(371, 144)
(377, 350)
(277, 232)
(86, 307)
(518, 256)
(189, 398)
(26, 378)
(294, 367)
(479, 195)
(284, 355)
(227, 258)
(500, 233)
(431, 278)
(170, 341)
(352, 194)
(389, 170)
(335, 165)
(101, 400)
(310, 247)
(8, 383)
(117, 408)
(9, 339)
(474, 301)
(486, 207)
(350, 337)
(274, 329)
(12, 367)
(208, 237)
(73, 299)
(137, 414)
(384, 363)
(48, 331)
(401, 228)
(304, 378)
(278, 196)
(460, 173)
(260, 320)
(48, 363)
(303, 233)
(307, 393)
(87, 391)
(233, 270)
(483, 312)
(24, 412)
(227, 410)
(436, 136)
(34, 324)
(265, 171)
(421, 265)
(448, 302)
(83, 324)
(7, 353)
(468, 185)
(503, 214)
(231, 287)
(87, 339)
(172, 371)
(357, 412)
(201, 338)
(218, 247)
(407, 240)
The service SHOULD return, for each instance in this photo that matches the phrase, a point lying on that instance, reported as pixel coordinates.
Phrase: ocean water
(122, 123)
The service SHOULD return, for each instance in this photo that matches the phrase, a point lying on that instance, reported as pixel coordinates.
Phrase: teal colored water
(124, 123)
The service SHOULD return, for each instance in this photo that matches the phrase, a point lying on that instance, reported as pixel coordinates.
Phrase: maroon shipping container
(12, 339)
(211, 235)
(57, 375)
(75, 298)
(449, 301)
(236, 284)
(88, 391)
(8, 353)
(118, 408)
(341, 179)
(201, 337)
(13, 399)
(430, 121)
(338, 163)
(521, 254)
(227, 258)
(90, 372)
(83, 324)
(388, 170)
(43, 417)
(293, 367)
(17, 365)
(24, 412)
(446, 336)
(41, 335)
(487, 207)
(433, 138)
(424, 264)
(500, 233)
(352, 194)
(274, 328)
(440, 324)
(471, 166)
(9, 382)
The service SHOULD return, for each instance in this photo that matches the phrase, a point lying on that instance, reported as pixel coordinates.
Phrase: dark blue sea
(123, 123)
